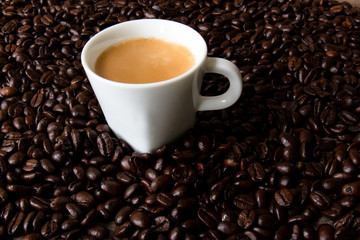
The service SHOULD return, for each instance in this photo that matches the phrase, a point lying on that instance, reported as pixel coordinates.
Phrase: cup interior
(144, 28)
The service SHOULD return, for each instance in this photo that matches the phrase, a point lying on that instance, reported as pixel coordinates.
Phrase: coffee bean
(246, 219)
(74, 210)
(256, 172)
(244, 201)
(285, 168)
(123, 214)
(3, 195)
(39, 203)
(165, 199)
(161, 183)
(176, 233)
(8, 91)
(228, 228)
(284, 197)
(284, 232)
(105, 144)
(70, 224)
(112, 188)
(351, 189)
(58, 204)
(49, 229)
(15, 223)
(113, 204)
(140, 219)
(320, 200)
(85, 200)
(131, 190)
(32, 236)
(332, 185)
(183, 175)
(204, 144)
(123, 230)
(125, 177)
(98, 232)
(162, 224)
(17, 158)
(208, 217)
(91, 217)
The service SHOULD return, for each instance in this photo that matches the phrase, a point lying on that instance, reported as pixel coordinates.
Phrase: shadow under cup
(148, 115)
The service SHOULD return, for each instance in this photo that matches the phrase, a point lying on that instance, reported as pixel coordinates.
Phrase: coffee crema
(144, 60)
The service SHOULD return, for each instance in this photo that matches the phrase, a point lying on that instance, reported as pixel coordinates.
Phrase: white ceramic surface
(150, 115)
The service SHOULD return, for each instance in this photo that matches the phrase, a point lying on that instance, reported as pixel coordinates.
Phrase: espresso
(144, 60)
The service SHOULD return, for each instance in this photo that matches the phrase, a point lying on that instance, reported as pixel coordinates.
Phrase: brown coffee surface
(144, 60)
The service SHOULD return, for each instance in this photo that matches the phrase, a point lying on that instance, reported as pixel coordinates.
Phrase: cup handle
(229, 70)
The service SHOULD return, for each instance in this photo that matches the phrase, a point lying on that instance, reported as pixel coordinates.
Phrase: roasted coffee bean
(176, 233)
(228, 216)
(131, 190)
(17, 158)
(112, 188)
(98, 232)
(284, 197)
(125, 177)
(85, 200)
(123, 214)
(332, 185)
(165, 199)
(113, 204)
(74, 210)
(91, 217)
(208, 217)
(246, 219)
(285, 168)
(325, 231)
(162, 224)
(70, 224)
(191, 224)
(320, 200)
(284, 232)
(15, 223)
(58, 204)
(183, 174)
(3, 195)
(39, 220)
(32, 236)
(8, 91)
(161, 183)
(351, 189)
(49, 229)
(256, 172)
(27, 224)
(123, 230)
(180, 191)
(244, 201)
(140, 219)
(228, 228)
(105, 144)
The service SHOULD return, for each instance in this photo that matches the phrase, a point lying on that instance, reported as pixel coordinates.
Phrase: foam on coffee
(144, 60)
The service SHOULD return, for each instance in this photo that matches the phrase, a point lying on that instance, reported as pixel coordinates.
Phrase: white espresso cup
(150, 115)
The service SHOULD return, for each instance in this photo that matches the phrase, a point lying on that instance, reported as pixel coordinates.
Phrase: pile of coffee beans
(282, 163)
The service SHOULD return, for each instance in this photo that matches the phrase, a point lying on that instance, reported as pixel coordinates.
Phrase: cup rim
(89, 71)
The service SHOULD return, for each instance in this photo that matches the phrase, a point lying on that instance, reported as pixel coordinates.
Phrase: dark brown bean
(284, 197)
(320, 200)
(140, 219)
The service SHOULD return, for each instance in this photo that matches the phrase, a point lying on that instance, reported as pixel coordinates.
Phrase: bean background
(282, 163)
